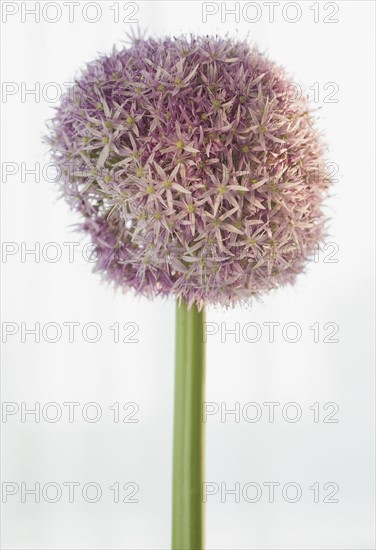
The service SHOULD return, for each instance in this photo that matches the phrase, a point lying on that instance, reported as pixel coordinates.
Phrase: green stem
(188, 467)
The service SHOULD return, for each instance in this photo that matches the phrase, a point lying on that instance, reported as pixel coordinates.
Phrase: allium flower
(195, 168)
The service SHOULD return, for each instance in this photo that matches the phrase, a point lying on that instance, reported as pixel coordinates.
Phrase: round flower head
(195, 168)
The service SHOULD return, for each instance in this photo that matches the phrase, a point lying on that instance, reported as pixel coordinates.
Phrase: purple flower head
(195, 168)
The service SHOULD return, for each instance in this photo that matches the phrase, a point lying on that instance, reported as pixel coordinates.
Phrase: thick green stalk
(188, 460)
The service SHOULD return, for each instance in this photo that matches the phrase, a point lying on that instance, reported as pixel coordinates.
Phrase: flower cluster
(195, 168)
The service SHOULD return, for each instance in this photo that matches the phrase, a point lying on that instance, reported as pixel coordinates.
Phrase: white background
(105, 372)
